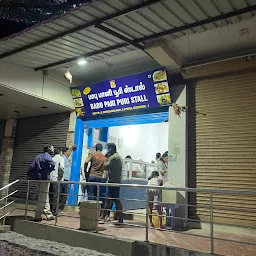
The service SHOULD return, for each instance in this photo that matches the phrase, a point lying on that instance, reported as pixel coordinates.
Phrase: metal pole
(27, 196)
(6, 201)
(57, 203)
(211, 223)
(147, 214)
(98, 208)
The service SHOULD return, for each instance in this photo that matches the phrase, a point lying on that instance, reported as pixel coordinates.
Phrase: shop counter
(133, 193)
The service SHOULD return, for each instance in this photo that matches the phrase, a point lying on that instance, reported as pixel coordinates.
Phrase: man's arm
(106, 168)
(82, 173)
(51, 163)
(69, 151)
(87, 161)
(107, 164)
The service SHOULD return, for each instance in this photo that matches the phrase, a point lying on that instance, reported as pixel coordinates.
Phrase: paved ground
(15, 244)
(185, 239)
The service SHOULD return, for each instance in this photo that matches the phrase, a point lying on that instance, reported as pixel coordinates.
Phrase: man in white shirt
(56, 175)
(66, 153)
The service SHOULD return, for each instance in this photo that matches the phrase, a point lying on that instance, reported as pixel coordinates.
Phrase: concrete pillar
(177, 148)
(7, 152)
(71, 129)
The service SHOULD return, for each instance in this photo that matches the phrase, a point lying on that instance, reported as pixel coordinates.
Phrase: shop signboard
(140, 91)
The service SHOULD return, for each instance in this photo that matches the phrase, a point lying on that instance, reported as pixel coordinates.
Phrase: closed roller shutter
(222, 146)
(2, 129)
(31, 136)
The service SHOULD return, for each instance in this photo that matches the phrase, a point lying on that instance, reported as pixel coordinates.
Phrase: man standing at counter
(114, 167)
(97, 160)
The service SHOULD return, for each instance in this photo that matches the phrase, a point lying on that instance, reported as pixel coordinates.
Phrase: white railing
(211, 205)
(4, 200)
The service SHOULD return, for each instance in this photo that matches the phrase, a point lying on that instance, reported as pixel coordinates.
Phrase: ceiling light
(82, 62)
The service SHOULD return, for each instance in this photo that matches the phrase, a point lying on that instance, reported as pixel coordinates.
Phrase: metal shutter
(222, 145)
(2, 129)
(31, 136)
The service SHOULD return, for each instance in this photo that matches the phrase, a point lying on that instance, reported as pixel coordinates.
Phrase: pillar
(104, 134)
(71, 129)
(177, 148)
(76, 162)
(90, 138)
(7, 152)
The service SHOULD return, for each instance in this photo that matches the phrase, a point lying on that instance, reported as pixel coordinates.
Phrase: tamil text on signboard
(140, 91)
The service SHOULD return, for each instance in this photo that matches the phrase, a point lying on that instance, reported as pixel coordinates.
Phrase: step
(99, 242)
(5, 228)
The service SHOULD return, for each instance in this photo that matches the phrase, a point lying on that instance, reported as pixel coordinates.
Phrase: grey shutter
(31, 136)
(2, 129)
(222, 146)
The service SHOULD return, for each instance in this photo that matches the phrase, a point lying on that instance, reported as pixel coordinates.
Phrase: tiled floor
(185, 239)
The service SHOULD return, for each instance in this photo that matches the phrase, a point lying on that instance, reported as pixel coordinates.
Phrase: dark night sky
(17, 15)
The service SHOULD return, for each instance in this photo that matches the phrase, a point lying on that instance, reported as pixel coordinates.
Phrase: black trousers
(63, 196)
(113, 195)
(53, 196)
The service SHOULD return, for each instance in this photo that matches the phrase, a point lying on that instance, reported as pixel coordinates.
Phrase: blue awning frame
(128, 120)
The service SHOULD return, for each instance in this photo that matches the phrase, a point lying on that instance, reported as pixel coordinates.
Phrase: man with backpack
(40, 170)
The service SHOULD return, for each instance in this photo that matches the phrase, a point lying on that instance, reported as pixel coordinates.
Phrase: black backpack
(32, 174)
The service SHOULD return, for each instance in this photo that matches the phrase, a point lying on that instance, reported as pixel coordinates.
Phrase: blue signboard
(140, 91)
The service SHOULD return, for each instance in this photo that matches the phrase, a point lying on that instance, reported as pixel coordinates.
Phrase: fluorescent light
(82, 62)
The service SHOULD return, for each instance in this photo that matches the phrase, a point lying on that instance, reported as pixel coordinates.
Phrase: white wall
(177, 167)
(142, 142)
(177, 145)
(28, 81)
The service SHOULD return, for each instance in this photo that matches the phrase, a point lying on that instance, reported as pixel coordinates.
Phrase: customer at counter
(158, 156)
(155, 198)
(114, 167)
(162, 167)
(97, 160)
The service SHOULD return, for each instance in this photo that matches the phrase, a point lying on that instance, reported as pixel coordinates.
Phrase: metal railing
(210, 206)
(5, 196)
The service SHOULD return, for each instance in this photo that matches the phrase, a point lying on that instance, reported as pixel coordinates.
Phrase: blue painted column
(104, 134)
(90, 138)
(76, 162)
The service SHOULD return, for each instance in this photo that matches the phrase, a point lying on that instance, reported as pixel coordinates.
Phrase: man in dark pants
(40, 169)
(97, 160)
(114, 167)
(66, 153)
(56, 175)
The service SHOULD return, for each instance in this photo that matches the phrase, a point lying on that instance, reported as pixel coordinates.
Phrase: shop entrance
(141, 102)
(139, 137)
